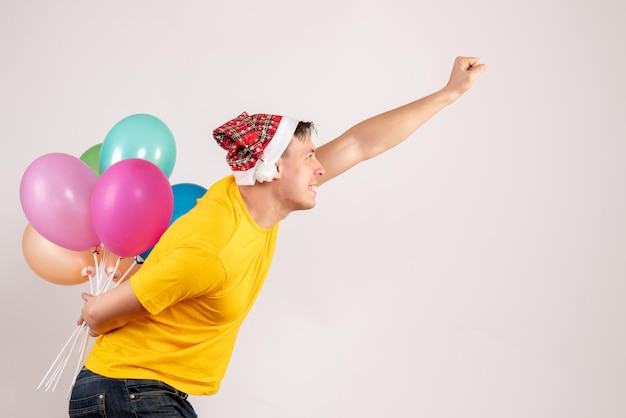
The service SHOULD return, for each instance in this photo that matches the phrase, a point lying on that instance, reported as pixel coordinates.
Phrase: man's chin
(306, 206)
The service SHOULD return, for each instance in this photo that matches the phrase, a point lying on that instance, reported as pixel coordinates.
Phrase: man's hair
(303, 131)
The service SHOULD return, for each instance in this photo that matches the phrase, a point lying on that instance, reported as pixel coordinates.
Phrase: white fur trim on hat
(265, 168)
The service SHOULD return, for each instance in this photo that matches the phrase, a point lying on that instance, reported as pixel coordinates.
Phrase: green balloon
(92, 158)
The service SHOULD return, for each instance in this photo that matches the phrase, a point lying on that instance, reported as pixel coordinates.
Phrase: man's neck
(261, 204)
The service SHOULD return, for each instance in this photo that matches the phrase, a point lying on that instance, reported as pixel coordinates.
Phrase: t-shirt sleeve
(188, 271)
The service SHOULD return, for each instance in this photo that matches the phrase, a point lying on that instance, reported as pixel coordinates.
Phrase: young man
(170, 329)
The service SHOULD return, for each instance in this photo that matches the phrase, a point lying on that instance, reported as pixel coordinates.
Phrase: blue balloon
(139, 136)
(185, 198)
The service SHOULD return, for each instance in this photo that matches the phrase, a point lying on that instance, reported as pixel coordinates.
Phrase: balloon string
(110, 277)
(128, 270)
(58, 365)
(62, 367)
(94, 274)
(81, 361)
(98, 285)
(58, 356)
(102, 270)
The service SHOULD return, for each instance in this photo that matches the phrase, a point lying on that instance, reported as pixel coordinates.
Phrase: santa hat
(254, 144)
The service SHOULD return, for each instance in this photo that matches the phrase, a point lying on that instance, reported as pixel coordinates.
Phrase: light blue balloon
(139, 136)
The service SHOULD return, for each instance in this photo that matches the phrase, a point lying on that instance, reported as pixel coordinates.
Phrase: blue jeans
(97, 396)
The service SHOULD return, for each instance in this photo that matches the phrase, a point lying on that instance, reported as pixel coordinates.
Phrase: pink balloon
(131, 206)
(55, 193)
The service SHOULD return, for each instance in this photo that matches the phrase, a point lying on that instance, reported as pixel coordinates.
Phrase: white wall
(476, 270)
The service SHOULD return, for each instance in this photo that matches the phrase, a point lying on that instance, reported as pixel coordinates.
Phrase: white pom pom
(264, 171)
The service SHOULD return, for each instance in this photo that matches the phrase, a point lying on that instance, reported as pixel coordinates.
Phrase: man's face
(299, 173)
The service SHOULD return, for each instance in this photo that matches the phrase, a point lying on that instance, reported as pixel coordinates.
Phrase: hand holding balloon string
(100, 280)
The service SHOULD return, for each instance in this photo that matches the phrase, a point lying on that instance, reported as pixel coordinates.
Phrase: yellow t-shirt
(198, 284)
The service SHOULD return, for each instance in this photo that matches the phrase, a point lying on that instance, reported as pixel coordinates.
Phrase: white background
(476, 270)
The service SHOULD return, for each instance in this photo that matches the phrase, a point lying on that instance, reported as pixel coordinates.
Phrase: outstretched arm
(377, 134)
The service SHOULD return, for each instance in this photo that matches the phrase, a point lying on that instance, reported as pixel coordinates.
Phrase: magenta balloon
(55, 193)
(131, 206)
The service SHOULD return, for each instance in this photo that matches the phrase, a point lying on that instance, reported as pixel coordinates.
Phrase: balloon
(55, 194)
(59, 265)
(53, 263)
(131, 206)
(92, 158)
(139, 136)
(185, 197)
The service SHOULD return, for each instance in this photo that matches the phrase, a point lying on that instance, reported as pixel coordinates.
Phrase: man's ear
(279, 168)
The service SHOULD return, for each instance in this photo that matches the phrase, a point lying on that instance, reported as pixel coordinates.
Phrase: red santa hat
(254, 144)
